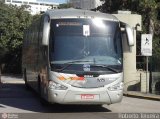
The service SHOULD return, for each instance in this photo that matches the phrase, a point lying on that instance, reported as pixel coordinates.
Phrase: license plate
(87, 96)
(92, 97)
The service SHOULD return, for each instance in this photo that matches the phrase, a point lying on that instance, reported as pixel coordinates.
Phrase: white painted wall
(86, 4)
(35, 6)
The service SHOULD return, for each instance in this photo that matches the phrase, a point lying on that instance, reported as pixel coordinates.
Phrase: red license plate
(87, 96)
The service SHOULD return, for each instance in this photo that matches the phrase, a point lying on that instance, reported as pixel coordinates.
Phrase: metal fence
(155, 75)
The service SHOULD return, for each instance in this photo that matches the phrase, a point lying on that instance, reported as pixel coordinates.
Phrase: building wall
(35, 7)
(129, 60)
(85, 4)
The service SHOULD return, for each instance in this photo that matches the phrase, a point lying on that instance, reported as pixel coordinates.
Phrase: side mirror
(129, 33)
(46, 30)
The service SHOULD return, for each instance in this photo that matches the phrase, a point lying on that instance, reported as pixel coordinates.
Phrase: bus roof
(77, 13)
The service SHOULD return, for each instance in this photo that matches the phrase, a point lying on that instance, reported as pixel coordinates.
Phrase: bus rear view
(84, 58)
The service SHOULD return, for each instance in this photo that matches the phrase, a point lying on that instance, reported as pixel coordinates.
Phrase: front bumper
(85, 96)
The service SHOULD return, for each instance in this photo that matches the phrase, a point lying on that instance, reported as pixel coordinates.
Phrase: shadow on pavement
(16, 96)
(76, 108)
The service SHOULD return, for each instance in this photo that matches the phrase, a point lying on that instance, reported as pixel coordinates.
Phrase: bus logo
(101, 80)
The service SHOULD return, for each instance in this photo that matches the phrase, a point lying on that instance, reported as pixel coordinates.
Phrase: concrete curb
(142, 96)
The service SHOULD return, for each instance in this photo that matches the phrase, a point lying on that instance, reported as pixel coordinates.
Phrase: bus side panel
(30, 54)
(43, 64)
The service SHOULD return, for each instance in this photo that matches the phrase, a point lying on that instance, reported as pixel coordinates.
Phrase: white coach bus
(75, 57)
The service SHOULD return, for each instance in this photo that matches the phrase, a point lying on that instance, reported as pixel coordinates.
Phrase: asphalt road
(14, 98)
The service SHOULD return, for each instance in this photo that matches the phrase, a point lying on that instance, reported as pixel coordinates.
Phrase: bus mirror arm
(46, 31)
(129, 33)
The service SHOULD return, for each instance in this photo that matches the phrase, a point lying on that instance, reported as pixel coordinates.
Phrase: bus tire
(42, 100)
(25, 80)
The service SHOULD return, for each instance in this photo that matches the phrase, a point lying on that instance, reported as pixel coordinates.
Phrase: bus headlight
(57, 86)
(118, 86)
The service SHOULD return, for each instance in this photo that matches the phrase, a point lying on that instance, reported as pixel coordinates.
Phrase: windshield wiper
(107, 67)
(71, 63)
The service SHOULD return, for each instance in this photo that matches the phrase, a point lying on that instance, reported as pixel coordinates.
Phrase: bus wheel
(25, 80)
(42, 100)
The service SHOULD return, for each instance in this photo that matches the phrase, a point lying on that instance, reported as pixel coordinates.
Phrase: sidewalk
(141, 95)
(12, 79)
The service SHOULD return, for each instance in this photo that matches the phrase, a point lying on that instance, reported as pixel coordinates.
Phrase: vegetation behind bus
(13, 22)
(150, 21)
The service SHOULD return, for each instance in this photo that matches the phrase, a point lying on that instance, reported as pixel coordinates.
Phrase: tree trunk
(151, 27)
(0, 74)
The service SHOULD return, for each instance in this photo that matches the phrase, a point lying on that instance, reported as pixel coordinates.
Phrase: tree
(13, 21)
(150, 11)
(65, 5)
(147, 8)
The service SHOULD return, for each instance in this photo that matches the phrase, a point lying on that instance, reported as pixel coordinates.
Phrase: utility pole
(146, 50)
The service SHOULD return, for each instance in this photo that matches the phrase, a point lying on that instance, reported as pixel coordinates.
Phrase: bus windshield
(85, 41)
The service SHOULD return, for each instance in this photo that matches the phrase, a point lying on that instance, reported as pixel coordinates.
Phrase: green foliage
(150, 11)
(147, 8)
(65, 5)
(13, 21)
